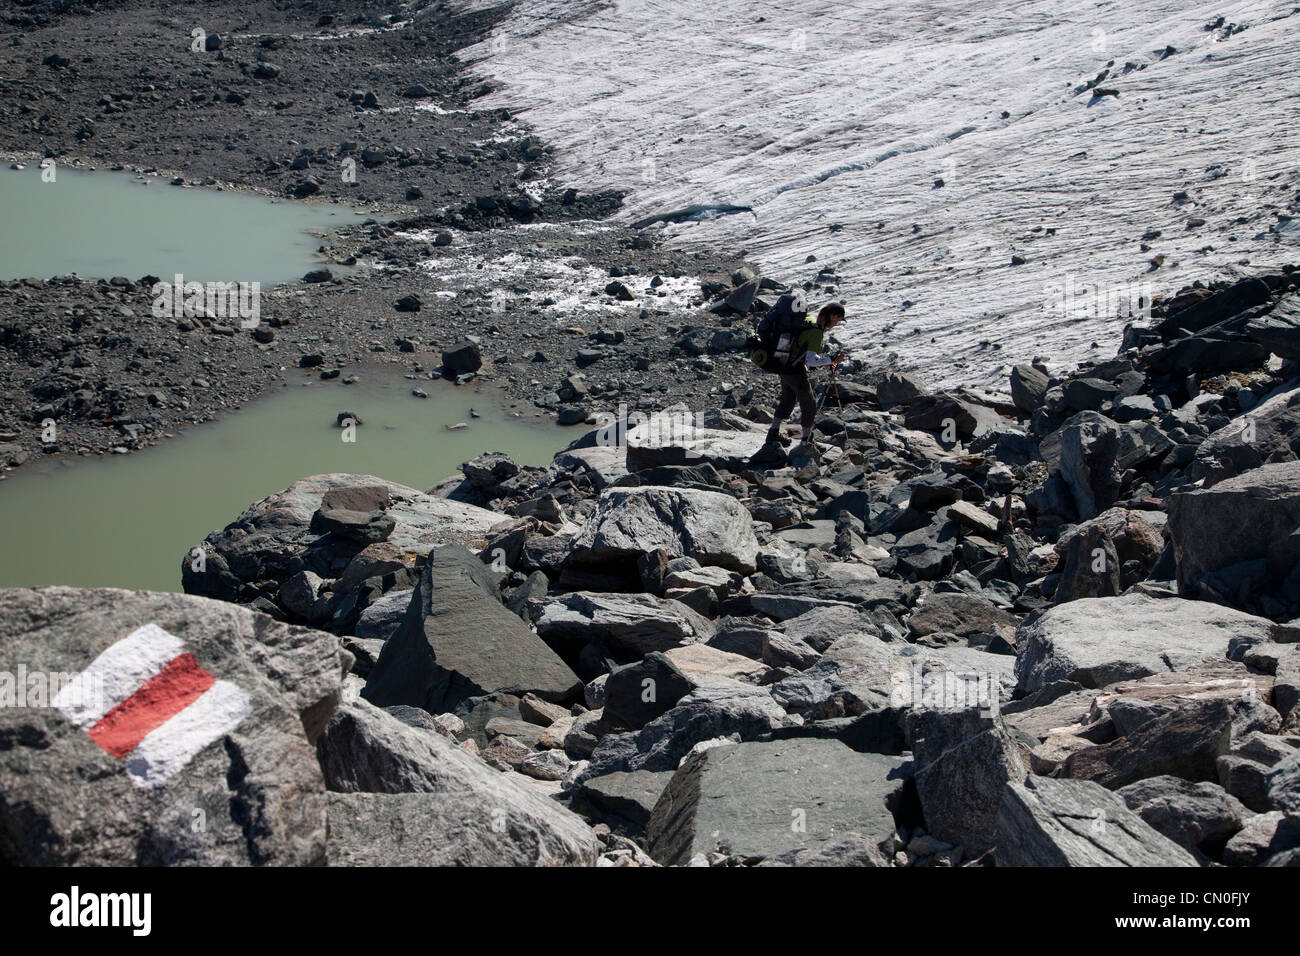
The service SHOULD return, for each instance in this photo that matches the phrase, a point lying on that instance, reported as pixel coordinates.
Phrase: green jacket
(808, 340)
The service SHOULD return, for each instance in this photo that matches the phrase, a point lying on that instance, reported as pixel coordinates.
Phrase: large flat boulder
(711, 527)
(160, 729)
(447, 829)
(1045, 822)
(281, 535)
(627, 624)
(1098, 641)
(766, 799)
(675, 437)
(458, 641)
(1238, 542)
(467, 813)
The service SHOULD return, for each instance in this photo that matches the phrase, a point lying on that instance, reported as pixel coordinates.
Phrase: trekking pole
(830, 383)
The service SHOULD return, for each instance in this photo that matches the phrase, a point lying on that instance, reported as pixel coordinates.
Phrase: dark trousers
(795, 387)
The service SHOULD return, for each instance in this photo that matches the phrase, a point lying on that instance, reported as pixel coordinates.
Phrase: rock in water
(711, 527)
(766, 799)
(464, 357)
(407, 796)
(187, 739)
(458, 641)
(1048, 822)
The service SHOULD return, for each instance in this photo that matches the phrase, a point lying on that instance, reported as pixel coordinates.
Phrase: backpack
(769, 349)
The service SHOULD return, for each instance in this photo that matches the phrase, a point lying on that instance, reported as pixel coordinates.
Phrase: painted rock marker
(147, 701)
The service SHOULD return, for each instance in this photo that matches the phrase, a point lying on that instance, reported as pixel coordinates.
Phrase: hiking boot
(772, 451)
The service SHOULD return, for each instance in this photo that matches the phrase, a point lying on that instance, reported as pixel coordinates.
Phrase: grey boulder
(629, 624)
(622, 801)
(963, 763)
(450, 829)
(1219, 562)
(768, 799)
(1091, 453)
(1196, 816)
(1045, 822)
(1284, 787)
(459, 641)
(1262, 836)
(675, 437)
(1185, 743)
(711, 527)
(439, 806)
(1098, 641)
(1268, 433)
(274, 538)
(726, 709)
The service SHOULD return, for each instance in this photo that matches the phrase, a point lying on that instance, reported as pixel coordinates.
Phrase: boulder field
(1059, 626)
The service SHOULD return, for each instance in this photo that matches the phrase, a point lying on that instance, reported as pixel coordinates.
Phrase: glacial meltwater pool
(128, 520)
(102, 224)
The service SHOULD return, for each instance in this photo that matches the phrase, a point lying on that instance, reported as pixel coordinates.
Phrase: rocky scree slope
(959, 628)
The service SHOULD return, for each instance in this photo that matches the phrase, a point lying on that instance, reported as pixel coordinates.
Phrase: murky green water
(126, 521)
(103, 224)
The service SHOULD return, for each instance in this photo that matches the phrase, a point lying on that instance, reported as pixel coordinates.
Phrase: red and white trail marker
(147, 701)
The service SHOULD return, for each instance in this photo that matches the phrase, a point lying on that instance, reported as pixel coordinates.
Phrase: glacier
(982, 192)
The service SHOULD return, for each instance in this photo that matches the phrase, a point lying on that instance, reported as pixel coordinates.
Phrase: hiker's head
(830, 315)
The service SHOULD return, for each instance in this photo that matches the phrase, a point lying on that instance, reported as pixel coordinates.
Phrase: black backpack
(767, 349)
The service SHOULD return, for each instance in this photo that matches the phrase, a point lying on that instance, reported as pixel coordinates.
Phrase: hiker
(804, 349)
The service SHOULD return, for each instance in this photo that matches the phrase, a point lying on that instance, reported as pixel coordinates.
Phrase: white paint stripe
(116, 674)
(166, 750)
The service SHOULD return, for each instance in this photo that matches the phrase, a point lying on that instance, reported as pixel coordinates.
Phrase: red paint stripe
(157, 700)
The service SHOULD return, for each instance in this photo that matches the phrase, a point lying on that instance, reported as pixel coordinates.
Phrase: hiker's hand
(837, 359)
